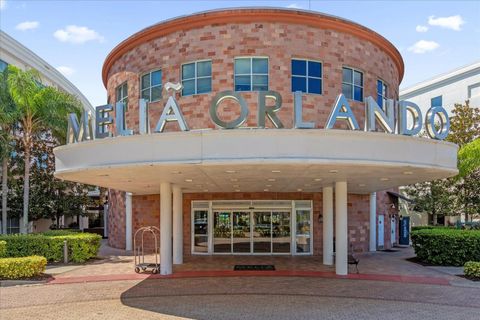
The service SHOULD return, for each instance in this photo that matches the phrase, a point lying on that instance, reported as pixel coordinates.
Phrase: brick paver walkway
(117, 264)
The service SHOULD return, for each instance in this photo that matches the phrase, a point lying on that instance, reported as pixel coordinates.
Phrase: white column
(177, 225)
(341, 228)
(373, 221)
(128, 221)
(165, 228)
(327, 225)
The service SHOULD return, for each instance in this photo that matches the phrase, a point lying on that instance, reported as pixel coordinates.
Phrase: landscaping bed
(81, 246)
(446, 247)
(22, 268)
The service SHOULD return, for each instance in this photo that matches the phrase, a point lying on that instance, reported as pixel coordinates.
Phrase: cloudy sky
(76, 36)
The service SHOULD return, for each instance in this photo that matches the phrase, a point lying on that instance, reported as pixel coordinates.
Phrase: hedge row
(81, 246)
(472, 270)
(25, 267)
(446, 247)
(3, 248)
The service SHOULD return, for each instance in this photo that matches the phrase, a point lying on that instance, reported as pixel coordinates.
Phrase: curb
(230, 273)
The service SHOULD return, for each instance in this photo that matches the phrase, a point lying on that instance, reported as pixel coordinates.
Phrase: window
(122, 93)
(251, 74)
(200, 231)
(306, 76)
(151, 86)
(352, 84)
(197, 77)
(436, 102)
(3, 65)
(381, 93)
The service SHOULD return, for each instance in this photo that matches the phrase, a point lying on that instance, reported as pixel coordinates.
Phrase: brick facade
(146, 212)
(280, 41)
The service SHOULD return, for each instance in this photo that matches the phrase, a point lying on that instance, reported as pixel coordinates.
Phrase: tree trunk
(26, 189)
(4, 193)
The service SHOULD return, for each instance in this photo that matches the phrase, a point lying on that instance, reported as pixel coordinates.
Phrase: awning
(399, 196)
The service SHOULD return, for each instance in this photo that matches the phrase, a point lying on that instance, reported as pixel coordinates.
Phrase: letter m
(79, 131)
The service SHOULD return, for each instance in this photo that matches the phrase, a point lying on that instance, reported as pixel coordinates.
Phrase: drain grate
(254, 267)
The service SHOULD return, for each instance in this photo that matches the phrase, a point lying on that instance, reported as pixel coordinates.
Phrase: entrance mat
(389, 250)
(254, 267)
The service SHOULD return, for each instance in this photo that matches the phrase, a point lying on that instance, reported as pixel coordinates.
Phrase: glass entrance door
(281, 237)
(222, 232)
(241, 239)
(240, 229)
(262, 232)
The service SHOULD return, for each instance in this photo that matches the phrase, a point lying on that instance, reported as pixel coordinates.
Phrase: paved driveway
(240, 298)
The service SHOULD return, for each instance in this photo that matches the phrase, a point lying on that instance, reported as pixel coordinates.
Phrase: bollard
(65, 251)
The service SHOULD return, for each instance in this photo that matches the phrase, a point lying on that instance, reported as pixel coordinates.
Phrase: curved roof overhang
(256, 160)
(247, 15)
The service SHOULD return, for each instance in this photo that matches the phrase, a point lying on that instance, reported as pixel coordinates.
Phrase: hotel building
(243, 171)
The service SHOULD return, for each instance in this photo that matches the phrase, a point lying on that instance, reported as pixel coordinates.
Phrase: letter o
(224, 95)
(437, 133)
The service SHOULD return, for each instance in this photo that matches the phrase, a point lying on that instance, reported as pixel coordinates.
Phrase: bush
(472, 270)
(25, 267)
(3, 249)
(416, 228)
(446, 247)
(81, 246)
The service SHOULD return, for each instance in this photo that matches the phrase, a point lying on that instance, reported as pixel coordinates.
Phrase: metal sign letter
(102, 118)
(341, 110)
(224, 95)
(270, 111)
(298, 114)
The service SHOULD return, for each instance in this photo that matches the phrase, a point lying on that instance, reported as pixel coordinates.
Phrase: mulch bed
(468, 278)
(41, 277)
(420, 262)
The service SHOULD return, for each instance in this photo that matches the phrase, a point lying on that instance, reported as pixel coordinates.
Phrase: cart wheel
(155, 271)
(137, 269)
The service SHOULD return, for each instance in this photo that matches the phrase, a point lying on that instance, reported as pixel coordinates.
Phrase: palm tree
(7, 122)
(39, 109)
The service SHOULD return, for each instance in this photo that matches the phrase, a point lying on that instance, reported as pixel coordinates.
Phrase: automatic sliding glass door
(262, 232)
(281, 237)
(222, 232)
(241, 240)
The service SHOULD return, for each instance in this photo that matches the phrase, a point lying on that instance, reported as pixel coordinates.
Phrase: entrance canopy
(256, 160)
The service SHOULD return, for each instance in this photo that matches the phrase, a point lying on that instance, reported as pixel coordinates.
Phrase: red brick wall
(280, 42)
(116, 219)
(146, 212)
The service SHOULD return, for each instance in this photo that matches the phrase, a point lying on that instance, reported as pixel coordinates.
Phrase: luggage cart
(140, 264)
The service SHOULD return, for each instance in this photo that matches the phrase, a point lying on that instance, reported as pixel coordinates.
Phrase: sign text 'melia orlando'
(402, 117)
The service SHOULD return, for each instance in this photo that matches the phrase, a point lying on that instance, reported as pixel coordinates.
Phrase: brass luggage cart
(139, 250)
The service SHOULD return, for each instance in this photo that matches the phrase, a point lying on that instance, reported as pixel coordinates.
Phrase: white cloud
(420, 28)
(3, 4)
(452, 22)
(77, 35)
(423, 46)
(27, 25)
(294, 6)
(66, 71)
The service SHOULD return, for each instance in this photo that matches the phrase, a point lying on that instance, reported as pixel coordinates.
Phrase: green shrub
(81, 246)
(447, 247)
(3, 248)
(25, 267)
(472, 269)
(416, 228)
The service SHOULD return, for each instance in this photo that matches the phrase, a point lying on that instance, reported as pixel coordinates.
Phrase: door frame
(292, 209)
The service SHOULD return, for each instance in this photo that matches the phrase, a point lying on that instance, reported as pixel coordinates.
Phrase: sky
(75, 36)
